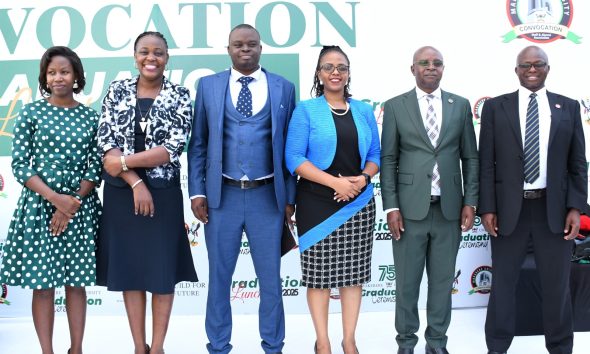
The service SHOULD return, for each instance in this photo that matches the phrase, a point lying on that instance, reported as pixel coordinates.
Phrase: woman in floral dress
(50, 241)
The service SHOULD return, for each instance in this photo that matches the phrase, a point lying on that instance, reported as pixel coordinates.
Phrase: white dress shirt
(544, 127)
(258, 87)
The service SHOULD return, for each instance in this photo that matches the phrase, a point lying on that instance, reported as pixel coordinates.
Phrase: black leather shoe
(493, 352)
(431, 350)
(405, 351)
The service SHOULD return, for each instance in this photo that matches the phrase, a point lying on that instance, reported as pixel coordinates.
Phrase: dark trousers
(552, 256)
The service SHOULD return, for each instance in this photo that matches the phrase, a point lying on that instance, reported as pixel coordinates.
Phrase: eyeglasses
(527, 66)
(426, 63)
(329, 68)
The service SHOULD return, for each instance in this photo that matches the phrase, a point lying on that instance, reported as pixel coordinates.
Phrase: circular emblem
(481, 280)
(477, 107)
(476, 221)
(540, 21)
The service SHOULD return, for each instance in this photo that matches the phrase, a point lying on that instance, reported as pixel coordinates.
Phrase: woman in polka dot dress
(50, 241)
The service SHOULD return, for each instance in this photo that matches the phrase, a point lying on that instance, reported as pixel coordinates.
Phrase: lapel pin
(451, 100)
(557, 105)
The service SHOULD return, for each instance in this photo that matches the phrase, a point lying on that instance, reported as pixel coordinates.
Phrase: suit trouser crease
(432, 243)
(255, 212)
(552, 257)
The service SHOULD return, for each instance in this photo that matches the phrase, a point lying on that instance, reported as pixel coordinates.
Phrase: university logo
(585, 102)
(481, 280)
(4, 295)
(540, 21)
(477, 107)
(192, 232)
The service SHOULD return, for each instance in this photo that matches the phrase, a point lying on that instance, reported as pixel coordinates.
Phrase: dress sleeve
(22, 146)
(94, 168)
(179, 131)
(106, 137)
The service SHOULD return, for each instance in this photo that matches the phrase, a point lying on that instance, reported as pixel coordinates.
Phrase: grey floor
(375, 335)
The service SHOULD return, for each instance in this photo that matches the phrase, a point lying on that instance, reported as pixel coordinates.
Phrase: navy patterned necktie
(531, 141)
(244, 105)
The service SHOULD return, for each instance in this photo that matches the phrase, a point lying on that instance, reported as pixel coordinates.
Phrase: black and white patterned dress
(343, 258)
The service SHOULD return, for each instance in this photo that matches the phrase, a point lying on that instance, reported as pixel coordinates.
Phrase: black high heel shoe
(315, 347)
(355, 348)
(147, 349)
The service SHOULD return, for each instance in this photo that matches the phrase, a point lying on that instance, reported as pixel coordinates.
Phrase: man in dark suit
(429, 174)
(238, 182)
(533, 184)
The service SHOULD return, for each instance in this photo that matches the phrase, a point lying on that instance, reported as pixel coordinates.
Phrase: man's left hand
(467, 216)
(572, 224)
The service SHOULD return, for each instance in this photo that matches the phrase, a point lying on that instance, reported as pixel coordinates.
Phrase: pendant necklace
(334, 109)
(143, 122)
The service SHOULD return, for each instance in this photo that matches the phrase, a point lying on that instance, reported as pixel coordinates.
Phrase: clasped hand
(348, 187)
(67, 206)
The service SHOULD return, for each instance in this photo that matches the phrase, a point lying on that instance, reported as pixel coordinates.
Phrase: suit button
(242, 123)
(241, 143)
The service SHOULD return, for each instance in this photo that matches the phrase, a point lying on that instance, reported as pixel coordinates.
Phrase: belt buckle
(243, 184)
(529, 194)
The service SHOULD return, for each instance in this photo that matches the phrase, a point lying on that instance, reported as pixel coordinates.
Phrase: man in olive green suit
(428, 159)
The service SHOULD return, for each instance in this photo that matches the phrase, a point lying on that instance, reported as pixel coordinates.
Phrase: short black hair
(243, 26)
(318, 89)
(150, 33)
(72, 57)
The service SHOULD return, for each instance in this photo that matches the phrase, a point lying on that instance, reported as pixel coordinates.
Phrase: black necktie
(244, 105)
(531, 141)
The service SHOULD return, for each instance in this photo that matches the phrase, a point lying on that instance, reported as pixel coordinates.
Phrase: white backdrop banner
(478, 39)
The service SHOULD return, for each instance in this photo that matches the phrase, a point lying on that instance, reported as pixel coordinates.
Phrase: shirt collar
(421, 94)
(235, 75)
(526, 93)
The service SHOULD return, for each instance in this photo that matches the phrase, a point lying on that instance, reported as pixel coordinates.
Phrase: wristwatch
(367, 178)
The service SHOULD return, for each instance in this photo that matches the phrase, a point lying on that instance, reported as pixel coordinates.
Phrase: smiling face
(244, 49)
(60, 77)
(427, 68)
(334, 72)
(151, 57)
(533, 77)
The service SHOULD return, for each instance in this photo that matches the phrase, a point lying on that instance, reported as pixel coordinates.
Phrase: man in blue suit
(238, 182)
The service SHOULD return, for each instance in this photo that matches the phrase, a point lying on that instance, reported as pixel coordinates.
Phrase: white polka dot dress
(58, 145)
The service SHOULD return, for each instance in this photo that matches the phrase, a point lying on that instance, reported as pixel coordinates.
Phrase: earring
(321, 83)
(75, 86)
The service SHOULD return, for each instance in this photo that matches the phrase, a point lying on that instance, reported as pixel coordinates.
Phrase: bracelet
(124, 164)
(136, 183)
(367, 178)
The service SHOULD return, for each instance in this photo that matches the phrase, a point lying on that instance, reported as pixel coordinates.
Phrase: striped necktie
(433, 132)
(531, 141)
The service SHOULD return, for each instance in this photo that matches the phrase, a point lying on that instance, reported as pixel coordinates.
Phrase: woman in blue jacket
(333, 145)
